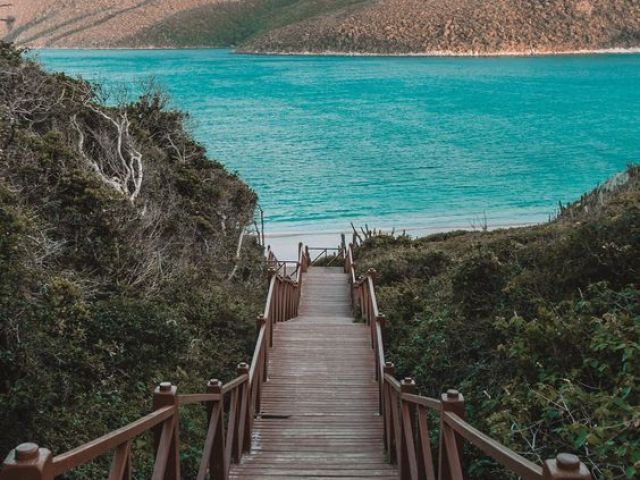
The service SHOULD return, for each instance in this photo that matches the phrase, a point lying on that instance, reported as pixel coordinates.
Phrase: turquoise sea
(395, 142)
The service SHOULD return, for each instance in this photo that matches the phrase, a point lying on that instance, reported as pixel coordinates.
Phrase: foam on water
(396, 142)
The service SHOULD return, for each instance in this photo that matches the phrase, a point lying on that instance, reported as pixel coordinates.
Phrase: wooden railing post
(389, 434)
(565, 467)
(307, 259)
(270, 273)
(244, 422)
(217, 468)
(408, 464)
(378, 348)
(285, 301)
(355, 292)
(166, 395)
(262, 375)
(452, 401)
(27, 462)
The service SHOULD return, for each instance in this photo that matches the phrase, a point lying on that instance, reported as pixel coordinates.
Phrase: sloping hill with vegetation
(118, 241)
(463, 27)
(234, 23)
(351, 26)
(538, 327)
(79, 23)
(152, 23)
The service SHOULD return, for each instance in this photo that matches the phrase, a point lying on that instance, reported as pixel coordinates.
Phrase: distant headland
(382, 27)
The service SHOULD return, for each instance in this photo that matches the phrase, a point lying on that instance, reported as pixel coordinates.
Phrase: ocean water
(418, 143)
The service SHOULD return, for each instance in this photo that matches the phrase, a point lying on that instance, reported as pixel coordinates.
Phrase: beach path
(319, 416)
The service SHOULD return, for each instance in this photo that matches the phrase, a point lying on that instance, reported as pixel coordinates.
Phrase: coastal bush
(119, 265)
(539, 327)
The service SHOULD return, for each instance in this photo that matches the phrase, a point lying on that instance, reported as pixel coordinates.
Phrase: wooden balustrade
(407, 437)
(230, 407)
(329, 255)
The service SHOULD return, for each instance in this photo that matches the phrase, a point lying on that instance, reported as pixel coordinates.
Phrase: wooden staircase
(318, 400)
(319, 415)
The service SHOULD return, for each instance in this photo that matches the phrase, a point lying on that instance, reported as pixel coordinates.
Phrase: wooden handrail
(235, 383)
(98, 447)
(196, 398)
(426, 402)
(406, 431)
(503, 455)
(230, 407)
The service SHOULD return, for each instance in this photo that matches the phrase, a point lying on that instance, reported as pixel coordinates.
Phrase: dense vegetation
(538, 327)
(232, 23)
(118, 242)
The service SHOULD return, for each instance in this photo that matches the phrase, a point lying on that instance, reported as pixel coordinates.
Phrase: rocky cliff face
(464, 27)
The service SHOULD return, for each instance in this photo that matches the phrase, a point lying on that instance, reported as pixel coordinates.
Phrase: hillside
(539, 327)
(360, 26)
(78, 23)
(152, 23)
(118, 240)
(463, 27)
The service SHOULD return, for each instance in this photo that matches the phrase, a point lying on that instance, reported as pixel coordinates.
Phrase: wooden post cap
(214, 385)
(389, 368)
(27, 462)
(408, 385)
(381, 319)
(26, 452)
(243, 368)
(165, 390)
(453, 394)
(453, 401)
(566, 461)
(565, 467)
(372, 272)
(165, 387)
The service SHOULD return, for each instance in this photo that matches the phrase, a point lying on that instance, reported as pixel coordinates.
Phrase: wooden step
(320, 405)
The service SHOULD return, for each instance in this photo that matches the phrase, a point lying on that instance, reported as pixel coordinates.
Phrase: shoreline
(330, 53)
(285, 244)
(397, 230)
(453, 54)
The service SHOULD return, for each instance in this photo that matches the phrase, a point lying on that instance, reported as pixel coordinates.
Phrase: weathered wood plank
(319, 410)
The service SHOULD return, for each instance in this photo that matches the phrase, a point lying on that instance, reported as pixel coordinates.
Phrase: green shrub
(101, 296)
(539, 327)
